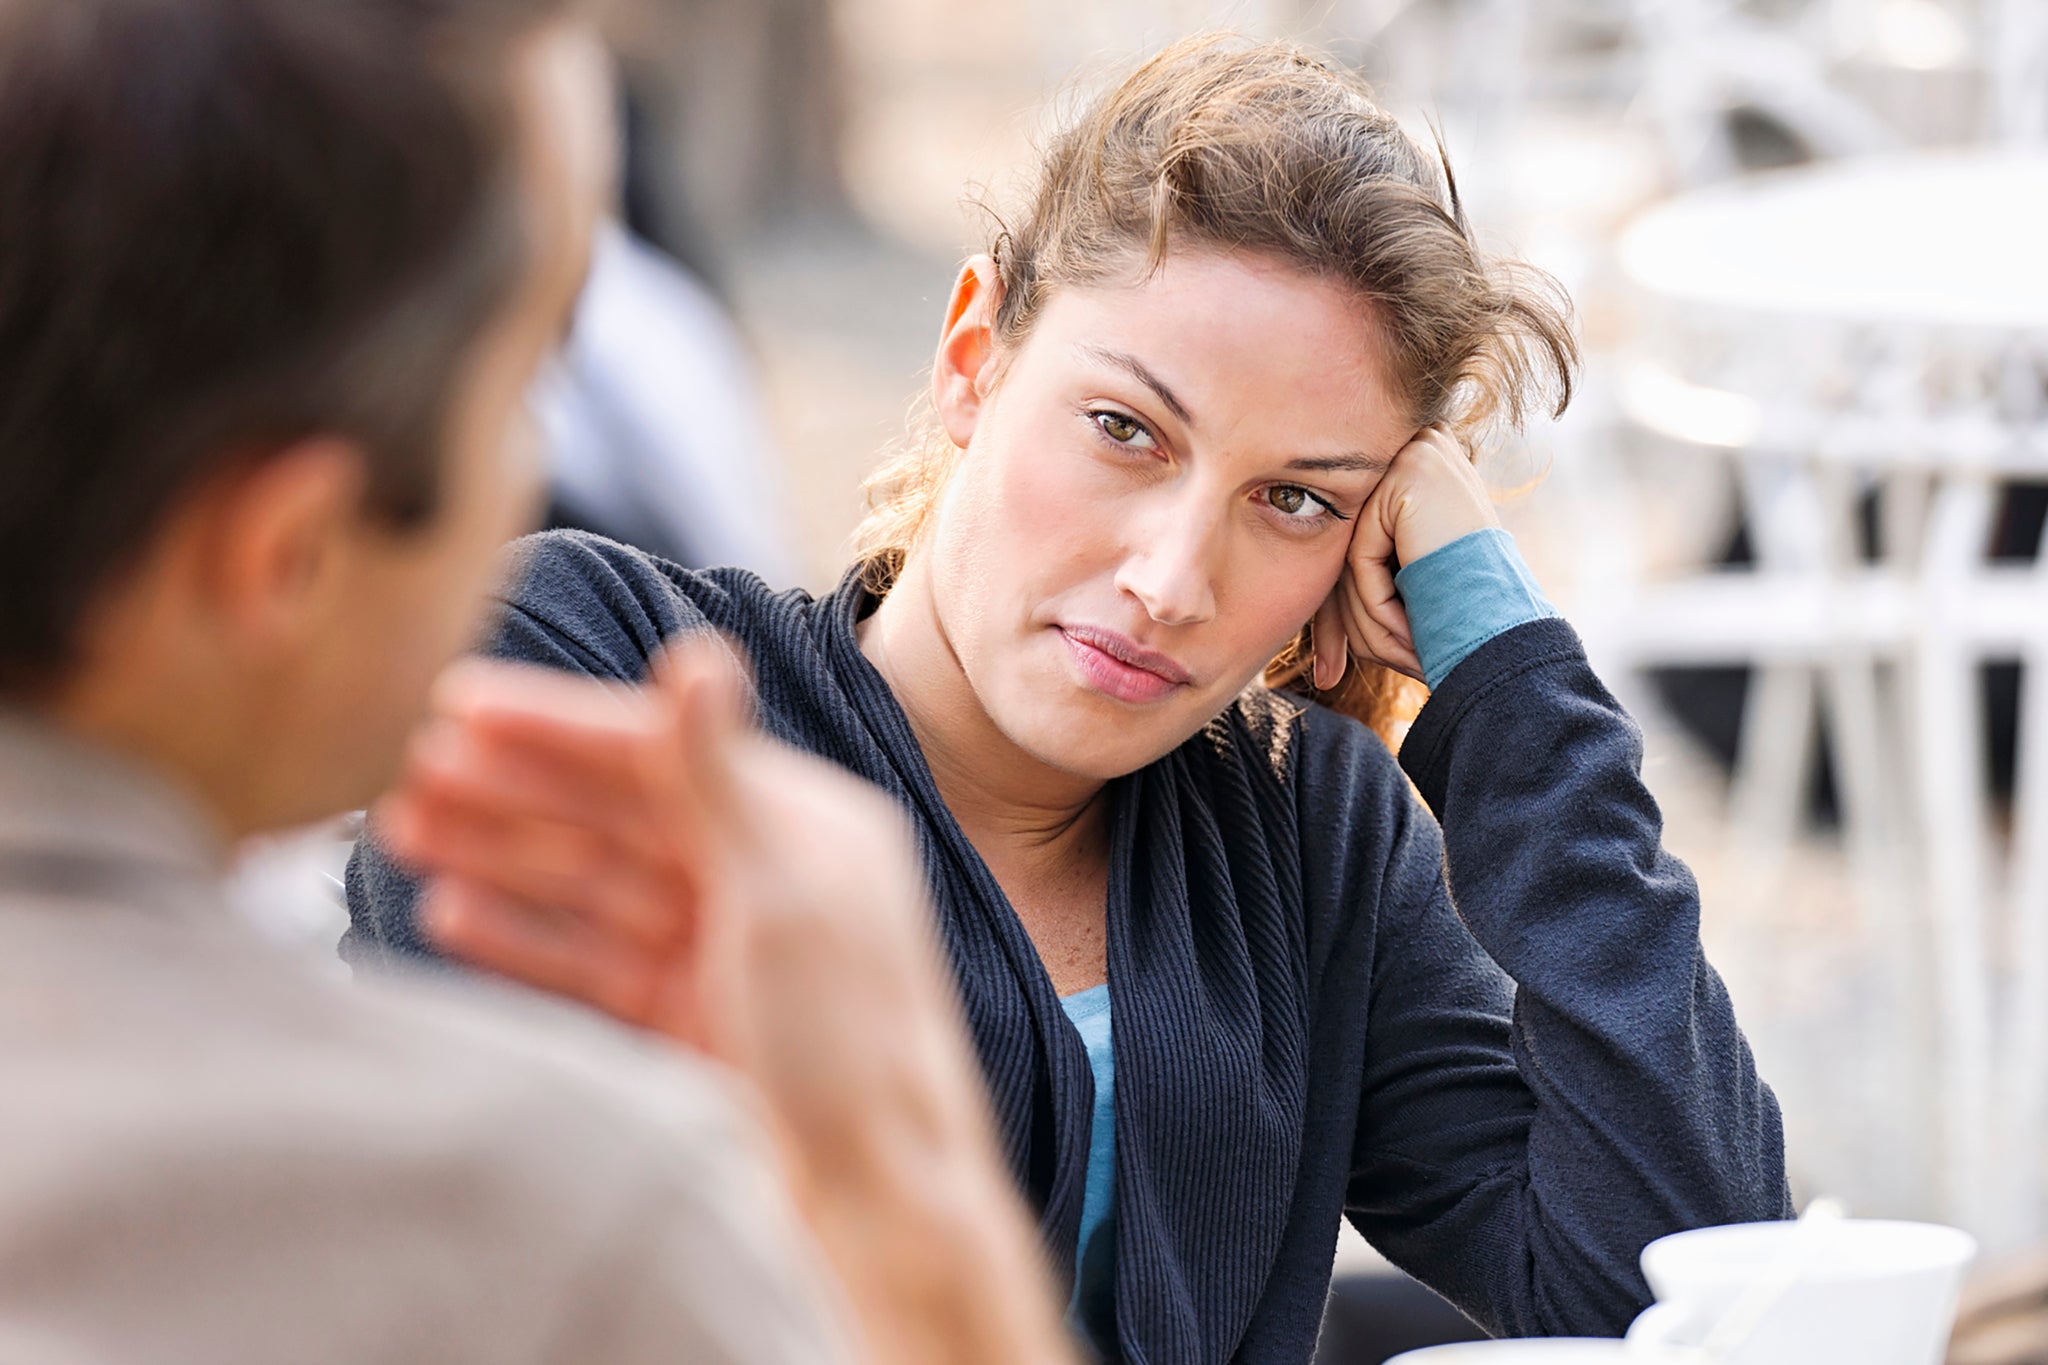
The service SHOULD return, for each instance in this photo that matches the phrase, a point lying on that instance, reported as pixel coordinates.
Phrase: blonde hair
(1223, 143)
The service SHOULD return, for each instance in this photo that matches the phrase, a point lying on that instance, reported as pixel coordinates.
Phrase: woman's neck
(1018, 811)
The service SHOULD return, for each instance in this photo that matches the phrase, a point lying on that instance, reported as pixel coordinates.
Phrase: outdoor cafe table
(1858, 336)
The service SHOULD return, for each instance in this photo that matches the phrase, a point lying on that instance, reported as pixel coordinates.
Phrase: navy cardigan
(1492, 1042)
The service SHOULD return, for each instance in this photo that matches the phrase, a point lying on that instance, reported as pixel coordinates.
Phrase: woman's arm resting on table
(1554, 1076)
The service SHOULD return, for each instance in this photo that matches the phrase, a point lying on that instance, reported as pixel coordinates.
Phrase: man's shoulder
(416, 1152)
(561, 1113)
(402, 1074)
(621, 1177)
(521, 1048)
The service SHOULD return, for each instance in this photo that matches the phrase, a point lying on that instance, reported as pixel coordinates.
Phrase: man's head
(274, 275)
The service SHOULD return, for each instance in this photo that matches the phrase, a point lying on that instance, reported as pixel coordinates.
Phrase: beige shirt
(211, 1154)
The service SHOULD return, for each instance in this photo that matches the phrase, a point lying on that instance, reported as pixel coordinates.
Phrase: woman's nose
(1171, 567)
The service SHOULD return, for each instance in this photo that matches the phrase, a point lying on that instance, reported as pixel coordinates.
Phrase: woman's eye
(1296, 502)
(1119, 428)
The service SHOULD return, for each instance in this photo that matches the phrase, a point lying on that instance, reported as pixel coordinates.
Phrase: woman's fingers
(1330, 641)
(1375, 620)
(1432, 495)
(1373, 593)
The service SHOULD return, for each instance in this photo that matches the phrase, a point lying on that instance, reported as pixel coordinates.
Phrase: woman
(1190, 411)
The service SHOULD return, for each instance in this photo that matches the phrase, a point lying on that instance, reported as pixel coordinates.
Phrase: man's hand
(645, 851)
(1431, 496)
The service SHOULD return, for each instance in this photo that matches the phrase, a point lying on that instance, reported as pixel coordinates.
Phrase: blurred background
(1796, 510)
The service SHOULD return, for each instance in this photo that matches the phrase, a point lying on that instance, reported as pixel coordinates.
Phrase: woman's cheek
(1055, 495)
(1301, 581)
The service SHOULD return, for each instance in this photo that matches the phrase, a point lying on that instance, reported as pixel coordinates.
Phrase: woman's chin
(1095, 742)
(1075, 723)
(1092, 763)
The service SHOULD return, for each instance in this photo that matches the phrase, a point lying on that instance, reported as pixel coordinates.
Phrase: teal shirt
(1093, 1308)
(1458, 598)
(1462, 595)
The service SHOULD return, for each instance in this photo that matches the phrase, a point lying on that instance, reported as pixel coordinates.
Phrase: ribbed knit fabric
(1305, 1025)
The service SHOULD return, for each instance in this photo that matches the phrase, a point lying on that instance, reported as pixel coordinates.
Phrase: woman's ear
(964, 371)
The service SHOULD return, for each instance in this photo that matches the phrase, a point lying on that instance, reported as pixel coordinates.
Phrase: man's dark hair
(226, 225)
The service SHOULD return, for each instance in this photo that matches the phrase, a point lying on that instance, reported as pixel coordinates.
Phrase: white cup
(1871, 1292)
(1530, 1351)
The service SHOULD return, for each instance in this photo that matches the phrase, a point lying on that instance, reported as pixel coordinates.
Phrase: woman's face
(1154, 498)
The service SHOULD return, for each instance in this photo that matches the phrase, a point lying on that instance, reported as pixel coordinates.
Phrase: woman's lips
(1120, 668)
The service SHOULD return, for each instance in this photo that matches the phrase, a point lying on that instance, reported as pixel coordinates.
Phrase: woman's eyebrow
(1136, 369)
(1350, 460)
(1354, 459)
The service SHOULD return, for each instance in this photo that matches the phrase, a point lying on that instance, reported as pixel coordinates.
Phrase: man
(274, 275)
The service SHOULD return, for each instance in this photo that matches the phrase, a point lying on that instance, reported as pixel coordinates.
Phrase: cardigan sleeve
(1554, 1076)
(1465, 593)
(582, 605)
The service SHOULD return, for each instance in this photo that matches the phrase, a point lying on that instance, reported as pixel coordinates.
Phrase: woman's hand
(1429, 497)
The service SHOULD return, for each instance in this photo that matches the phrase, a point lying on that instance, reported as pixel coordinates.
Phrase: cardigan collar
(1208, 978)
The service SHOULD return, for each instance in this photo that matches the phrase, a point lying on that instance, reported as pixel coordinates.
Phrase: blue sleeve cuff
(1462, 595)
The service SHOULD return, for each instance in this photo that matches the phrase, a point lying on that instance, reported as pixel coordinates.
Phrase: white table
(1878, 327)
(1921, 240)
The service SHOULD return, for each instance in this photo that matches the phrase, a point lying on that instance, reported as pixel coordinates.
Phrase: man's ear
(273, 546)
(964, 371)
